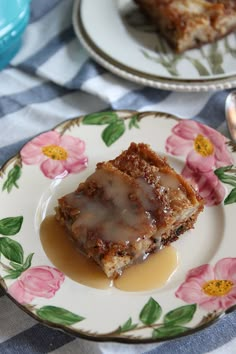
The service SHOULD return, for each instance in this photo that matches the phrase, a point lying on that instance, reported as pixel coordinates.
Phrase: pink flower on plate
(41, 281)
(204, 148)
(212, 288)
(56, 154)
(207, 184)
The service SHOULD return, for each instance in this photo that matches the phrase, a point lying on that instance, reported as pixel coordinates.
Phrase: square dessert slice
(190, 23)
(128, 208)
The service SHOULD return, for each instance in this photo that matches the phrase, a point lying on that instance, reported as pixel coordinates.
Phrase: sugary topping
(116, 207)
(114, 210)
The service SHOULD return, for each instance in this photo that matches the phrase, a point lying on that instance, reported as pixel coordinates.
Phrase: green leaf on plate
(27, 262)
(127, 326)
(151, 312)
(201, 69)
(231, 198)
(58, 315)
(13, 274)
(164, 57)
(17, 269)
(10, 226)
(12, 178)
(180, 315)
(134, 121)
(16, 266)
(227, 175)
(219, 171)
(215, 59)
(228, 47)
(168, 331)
(228, 178)
(26, 265)
(113, 132)
(100, 118)
(11, 250)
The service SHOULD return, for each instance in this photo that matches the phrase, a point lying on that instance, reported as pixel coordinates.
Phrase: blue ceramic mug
(14, 17)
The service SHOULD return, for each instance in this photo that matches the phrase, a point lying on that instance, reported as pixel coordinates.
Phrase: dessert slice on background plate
(189, 24)
(128, 208)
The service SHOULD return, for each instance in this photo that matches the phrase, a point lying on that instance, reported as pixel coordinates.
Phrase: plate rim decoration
(138, 76)
(149, 319)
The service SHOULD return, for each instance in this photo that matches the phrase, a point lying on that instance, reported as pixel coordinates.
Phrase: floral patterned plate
(202, 289)
(121, 39)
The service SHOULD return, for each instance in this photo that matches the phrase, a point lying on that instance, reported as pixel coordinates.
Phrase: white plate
(119, 38)
(28, 196)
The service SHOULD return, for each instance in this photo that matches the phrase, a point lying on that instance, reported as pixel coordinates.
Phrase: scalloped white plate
(27, 196)
(119, 38)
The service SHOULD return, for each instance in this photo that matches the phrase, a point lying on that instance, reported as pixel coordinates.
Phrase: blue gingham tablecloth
(51, 79)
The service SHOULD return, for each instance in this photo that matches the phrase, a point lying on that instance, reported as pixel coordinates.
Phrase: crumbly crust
(130, 207)
(188, 24)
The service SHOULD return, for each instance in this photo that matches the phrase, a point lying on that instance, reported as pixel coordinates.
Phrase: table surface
(51, 79)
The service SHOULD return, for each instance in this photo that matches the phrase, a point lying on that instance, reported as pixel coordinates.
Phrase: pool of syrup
(150, 274)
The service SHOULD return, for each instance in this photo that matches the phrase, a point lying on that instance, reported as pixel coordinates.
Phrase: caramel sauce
(62, 253)
(152, 273)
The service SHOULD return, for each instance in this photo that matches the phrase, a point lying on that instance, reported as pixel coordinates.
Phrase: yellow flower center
(55, 152)
(203, 146)
(217, 287)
